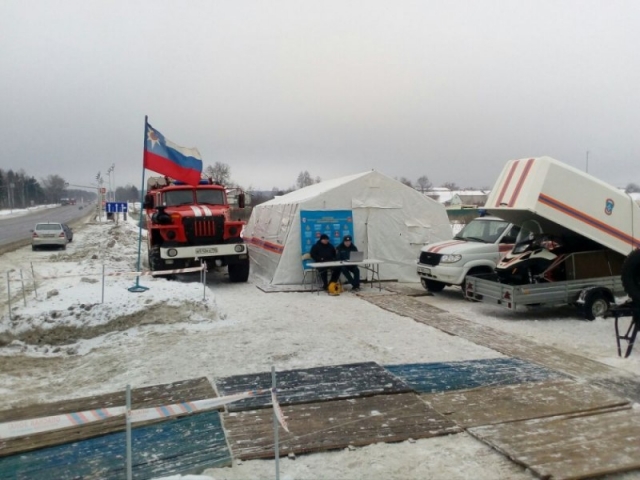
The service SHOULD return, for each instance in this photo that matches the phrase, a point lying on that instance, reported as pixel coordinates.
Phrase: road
(14, 229)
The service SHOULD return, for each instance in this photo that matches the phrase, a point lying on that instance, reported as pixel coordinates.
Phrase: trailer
(591, 286)
(546, 196)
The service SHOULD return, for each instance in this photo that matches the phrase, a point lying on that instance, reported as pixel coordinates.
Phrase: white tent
(391, 222)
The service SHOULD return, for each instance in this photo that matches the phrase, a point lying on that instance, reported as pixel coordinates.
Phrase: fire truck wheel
(631, 275)
(155, 261)
(238, 272)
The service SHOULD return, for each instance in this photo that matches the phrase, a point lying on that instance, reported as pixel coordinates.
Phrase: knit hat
(347, 238)
(324, 236)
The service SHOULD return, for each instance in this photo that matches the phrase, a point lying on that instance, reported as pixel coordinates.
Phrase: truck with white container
(576, 231)
(475, 250)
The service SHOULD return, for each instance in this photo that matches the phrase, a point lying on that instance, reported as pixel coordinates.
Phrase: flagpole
(137, 288)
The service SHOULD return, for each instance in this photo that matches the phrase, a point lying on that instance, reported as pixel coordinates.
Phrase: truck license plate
(206, 251)
(424, 270)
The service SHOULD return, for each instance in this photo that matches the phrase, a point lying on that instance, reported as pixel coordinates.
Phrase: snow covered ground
(67, 343)
(6, 212)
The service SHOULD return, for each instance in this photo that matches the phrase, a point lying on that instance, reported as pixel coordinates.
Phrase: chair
(315, 274)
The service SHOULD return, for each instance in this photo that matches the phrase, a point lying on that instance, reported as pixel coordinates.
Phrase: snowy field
(16, 212)
(66, 343)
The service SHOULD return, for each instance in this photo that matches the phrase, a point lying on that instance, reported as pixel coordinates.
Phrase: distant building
(458, 198)
(469, 199)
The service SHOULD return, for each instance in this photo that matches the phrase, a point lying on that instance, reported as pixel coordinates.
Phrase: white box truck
(590, 225)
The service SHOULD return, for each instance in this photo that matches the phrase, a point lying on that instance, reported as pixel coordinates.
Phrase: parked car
(476, 249)
(51, 234)
(68, 232)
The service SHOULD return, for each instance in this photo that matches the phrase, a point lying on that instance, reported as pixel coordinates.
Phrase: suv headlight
(450, 258)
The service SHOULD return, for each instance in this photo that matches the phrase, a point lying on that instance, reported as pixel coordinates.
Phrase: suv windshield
(487, 231)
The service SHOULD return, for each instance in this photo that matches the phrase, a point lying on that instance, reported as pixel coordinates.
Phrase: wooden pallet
(570, 447)
(179, 446)
(445, 376)
(313, 385)
(493, 405)
(143, 397)
(335, 424)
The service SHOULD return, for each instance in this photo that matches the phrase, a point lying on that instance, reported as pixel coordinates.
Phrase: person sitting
(323, 251)
(351, 272)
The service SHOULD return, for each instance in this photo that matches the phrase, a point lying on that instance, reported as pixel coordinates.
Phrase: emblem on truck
(608, 208)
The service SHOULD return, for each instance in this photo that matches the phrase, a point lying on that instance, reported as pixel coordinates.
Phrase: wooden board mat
(179, 446)
(511, 345)
(492, 405)
(336, 424)
(313, 385)
(143, 397)
(570, 447)
(445, 376)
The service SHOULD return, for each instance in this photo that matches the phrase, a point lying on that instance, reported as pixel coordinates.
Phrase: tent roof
(314, 190)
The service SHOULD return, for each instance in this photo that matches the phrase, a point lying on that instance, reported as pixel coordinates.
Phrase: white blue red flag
(167, 158)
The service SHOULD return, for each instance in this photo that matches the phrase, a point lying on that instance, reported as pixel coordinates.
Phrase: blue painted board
(185, 445)
(442, 377)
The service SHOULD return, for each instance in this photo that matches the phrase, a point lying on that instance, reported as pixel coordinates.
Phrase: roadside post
(102, 283)
(33, 275)
(275, 425)
(9, 296)
(129, 453)
(24, 295)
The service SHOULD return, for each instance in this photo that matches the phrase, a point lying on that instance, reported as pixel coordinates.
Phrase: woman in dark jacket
(323, 251)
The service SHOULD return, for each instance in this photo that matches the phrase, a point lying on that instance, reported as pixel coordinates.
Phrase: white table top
(345, 263)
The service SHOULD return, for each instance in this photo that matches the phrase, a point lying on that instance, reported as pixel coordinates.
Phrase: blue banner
(334, 223)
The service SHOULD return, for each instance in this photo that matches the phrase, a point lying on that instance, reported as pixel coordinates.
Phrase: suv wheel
(432, 285)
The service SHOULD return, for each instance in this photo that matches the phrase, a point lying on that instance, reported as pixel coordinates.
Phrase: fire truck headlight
(172, 252)
(239, 248)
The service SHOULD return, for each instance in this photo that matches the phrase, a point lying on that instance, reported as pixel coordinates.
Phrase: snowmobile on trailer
(576, 232)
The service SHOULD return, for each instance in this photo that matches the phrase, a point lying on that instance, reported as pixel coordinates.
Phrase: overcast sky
(448, 89)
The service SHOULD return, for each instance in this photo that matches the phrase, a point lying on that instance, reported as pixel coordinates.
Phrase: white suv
(477, 249)
(49, 235)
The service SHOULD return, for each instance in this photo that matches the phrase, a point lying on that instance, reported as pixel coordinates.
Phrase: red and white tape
(153, 273)
(57, 422)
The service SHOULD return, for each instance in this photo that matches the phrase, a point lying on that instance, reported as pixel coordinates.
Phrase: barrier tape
(137, 274)
(57, 422)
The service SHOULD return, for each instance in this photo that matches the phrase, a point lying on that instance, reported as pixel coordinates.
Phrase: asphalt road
(14, 229)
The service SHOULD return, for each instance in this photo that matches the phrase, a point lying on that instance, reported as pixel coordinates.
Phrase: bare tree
(424, 183)
(632, 188)
(220, 173)
(450, 186)
(304, 179)
(54, 187)
(406, 181)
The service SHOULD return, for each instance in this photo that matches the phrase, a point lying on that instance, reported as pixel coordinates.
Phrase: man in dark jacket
(323, 251)
(352, 272)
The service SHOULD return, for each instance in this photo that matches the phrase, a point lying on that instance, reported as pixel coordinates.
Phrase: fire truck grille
(204, 230)
(428, 258)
